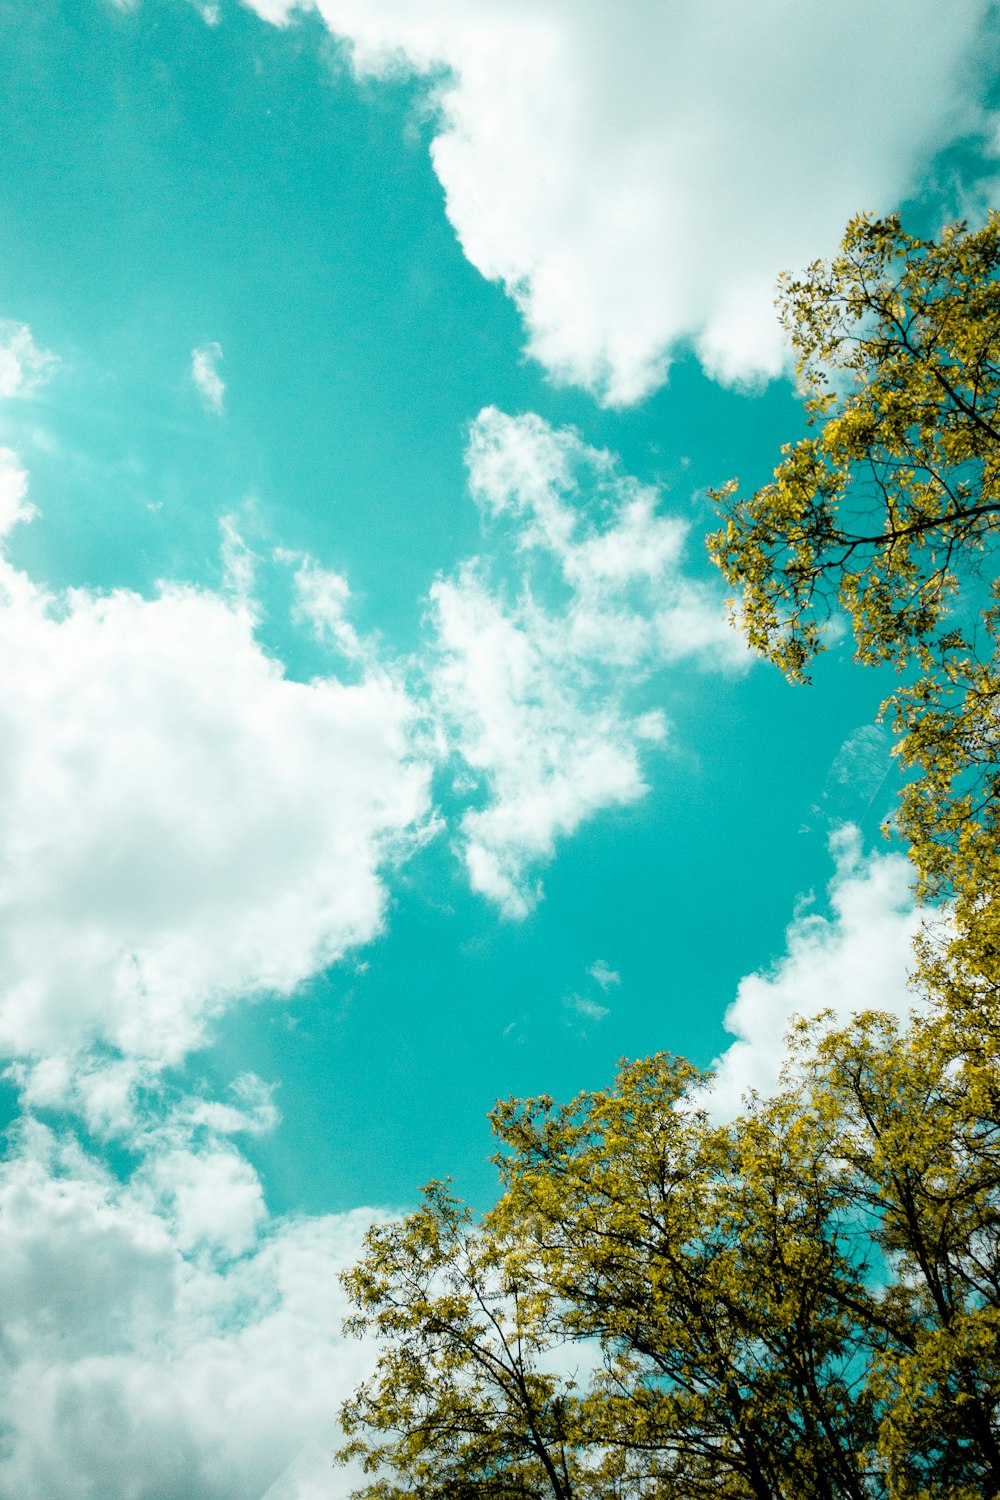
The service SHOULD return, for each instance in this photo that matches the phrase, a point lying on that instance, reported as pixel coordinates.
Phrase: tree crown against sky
(891, 503)
(803, 1303)
(888, 512)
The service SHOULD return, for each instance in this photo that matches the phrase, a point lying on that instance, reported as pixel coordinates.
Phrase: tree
(889, 511)
(803, 1305)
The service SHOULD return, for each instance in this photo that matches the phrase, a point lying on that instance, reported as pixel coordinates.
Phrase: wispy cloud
(604, 974)
(14, 503)
(590, 1010)
(239, 561)
(322, 602)
(23, 366)
(539, 651)
(279, 12)
(205, 374)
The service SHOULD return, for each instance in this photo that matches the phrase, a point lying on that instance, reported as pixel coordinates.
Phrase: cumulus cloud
(511, 708)
(23, 366)
(637, 175)
(182, 824)
(534, 682)
(205, 374)
(165, 1336)
(855, 959)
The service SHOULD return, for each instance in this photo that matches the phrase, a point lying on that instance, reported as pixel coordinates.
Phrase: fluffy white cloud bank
(541, 648)
(855, 959)
(159, 1338)
(182, 825)
(637, 175)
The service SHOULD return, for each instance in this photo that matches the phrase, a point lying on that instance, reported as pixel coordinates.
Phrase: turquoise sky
(262, 269)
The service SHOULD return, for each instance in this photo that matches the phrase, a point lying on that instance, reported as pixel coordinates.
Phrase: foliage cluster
(890, 513)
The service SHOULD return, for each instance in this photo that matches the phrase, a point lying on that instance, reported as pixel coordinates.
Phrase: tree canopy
(889, 513)
(802, 1303)
(897, 495)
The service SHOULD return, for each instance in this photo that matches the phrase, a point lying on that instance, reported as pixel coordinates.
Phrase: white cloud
(278, 12)
(147, 1348)
(605, 975)
(863, 762)
(254, 1112)
(588, 1009)
(214, 1198)
(535, 697)
(23, 366)
(14, 503)
(239, 562)
(855, 959)
(322, 600)
(205, 374)
(636, 175)
(182, 825)
(513, 707)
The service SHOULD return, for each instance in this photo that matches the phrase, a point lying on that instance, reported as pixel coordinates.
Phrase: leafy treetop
(890, 512)
(802, 1305)
(897, 344)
